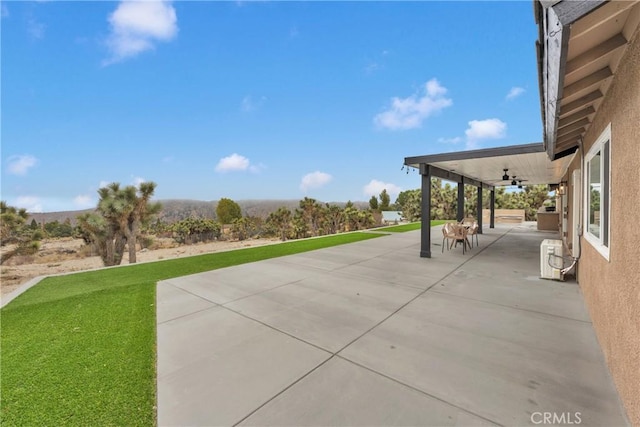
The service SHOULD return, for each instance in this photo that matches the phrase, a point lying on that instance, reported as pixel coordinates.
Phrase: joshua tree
(311, 213)
(334, 218)
(118, 219)
(13, 230)
(280, 222)
(140, 211)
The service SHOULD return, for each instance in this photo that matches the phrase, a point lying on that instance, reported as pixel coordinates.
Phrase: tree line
(125, 218)
(310, 219)
(444, 200)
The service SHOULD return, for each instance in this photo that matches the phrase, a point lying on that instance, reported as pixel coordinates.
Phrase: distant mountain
(61, 217)
(176, 210)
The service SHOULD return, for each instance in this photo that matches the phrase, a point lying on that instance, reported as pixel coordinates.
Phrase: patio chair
(460, 236)
(448, 234)
(473, 231)
(468, 221)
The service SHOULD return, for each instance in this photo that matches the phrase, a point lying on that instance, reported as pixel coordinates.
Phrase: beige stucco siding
(570, 230)
(612, 287)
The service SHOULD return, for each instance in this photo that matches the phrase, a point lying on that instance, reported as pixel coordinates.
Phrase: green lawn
(80, 349)
(408, 227)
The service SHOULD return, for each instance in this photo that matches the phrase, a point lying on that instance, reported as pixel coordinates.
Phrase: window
(598, 193)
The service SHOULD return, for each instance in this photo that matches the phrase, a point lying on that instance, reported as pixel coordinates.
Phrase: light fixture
(505, 177)
(562, 188)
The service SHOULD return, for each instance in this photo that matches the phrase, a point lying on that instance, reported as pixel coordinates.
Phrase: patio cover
(528, 162)
(484, 169)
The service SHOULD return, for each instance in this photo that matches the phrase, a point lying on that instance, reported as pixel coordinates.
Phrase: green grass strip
(80, 349)
(408, 227)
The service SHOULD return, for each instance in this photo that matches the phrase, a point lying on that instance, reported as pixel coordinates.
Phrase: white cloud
(234, 162)
(84, 201)
(30, 203)
(376, 64)
(20, 165)
(249, 104)
(35, 29)
(136, 181)
(454, 140)
(372, 67)
(315, 179)
(137, 25)
(375, 187)
(514, 93)
(104, 184)
(410, 112)
(485, 129)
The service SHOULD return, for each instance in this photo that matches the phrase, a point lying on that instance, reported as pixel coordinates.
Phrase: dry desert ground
(67, 255)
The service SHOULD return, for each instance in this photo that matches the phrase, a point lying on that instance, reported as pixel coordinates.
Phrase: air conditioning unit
(551, 259)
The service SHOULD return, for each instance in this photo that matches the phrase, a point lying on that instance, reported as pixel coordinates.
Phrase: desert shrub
(245, 228)
(146, 242)
(86, 251)
(57, 229)
(195, 230)
(22, 259)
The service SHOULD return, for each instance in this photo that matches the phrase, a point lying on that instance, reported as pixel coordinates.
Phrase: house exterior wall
(612, 287)
(569, 232)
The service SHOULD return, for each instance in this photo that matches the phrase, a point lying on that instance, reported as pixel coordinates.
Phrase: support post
(425, 217)
(479, 210)
(492, 209)
(461, 199)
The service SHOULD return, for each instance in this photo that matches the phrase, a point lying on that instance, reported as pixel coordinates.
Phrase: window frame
(602, 147)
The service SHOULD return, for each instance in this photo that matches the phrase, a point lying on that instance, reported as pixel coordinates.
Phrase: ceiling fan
(517, 182)
(513, 179)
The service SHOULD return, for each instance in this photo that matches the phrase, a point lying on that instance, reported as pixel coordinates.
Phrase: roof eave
(554, 22)
(415, 161)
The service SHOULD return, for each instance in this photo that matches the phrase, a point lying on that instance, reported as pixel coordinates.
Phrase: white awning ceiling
(529, 163)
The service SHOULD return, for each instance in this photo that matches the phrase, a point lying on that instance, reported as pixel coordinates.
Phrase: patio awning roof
(580, 46)
(529, 163)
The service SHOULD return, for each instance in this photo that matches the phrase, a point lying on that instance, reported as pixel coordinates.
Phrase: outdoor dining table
(464, 240)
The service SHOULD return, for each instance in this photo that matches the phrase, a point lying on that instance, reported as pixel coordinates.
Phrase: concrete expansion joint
(432, 396)
(302, 377)
(264, 291)
(276, 329)
(420, 294)
(187, 315)
(557, 316)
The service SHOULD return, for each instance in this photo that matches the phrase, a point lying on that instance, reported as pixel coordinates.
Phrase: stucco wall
(612, 288)
(571, 227)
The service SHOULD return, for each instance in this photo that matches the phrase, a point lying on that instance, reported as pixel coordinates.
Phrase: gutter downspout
(577, 228)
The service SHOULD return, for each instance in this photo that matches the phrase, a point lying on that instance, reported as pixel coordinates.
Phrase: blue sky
(255, 100)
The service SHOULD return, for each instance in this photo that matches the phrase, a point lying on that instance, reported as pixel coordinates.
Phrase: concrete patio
(371, 334)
